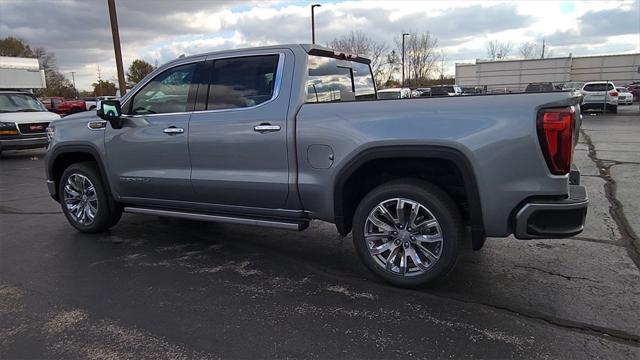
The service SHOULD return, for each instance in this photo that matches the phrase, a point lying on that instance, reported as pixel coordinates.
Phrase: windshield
(388, 95)
(19, 103)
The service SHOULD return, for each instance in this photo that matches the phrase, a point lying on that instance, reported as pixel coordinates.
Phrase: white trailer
(514, 75)
(18, 73)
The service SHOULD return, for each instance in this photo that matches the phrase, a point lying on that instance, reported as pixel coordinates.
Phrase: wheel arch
(343, 211)
(65, 155)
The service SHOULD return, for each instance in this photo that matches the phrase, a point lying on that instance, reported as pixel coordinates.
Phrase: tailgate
(595, 96)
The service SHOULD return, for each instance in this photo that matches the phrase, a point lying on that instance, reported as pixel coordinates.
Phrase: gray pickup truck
(277, 136)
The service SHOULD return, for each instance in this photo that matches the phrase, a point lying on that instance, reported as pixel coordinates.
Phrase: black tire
(92, 108)
(438, 203)
(108, 213)
(614, 109)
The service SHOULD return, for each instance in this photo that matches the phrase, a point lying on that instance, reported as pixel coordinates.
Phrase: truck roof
(312, 49)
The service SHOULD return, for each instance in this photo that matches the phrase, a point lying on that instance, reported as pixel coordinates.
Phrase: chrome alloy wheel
(81, 199)
(403, 237)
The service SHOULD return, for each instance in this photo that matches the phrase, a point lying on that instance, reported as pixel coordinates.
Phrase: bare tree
(421, 57)
(498, 50)
(531, 50)
(528, 50)
(357, 42)
(392, 66)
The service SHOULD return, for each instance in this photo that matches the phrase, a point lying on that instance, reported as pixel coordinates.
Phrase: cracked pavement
(164, 288)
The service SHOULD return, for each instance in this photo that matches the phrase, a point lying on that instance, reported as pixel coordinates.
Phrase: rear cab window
(598, 87)
(336, 80)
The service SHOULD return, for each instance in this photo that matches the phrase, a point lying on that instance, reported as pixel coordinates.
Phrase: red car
(63, 106)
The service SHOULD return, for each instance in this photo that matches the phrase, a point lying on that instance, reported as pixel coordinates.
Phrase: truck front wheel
(408, 232)
(84, 199)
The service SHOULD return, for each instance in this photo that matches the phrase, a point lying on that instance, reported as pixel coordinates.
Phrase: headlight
(8, 128)
(50, 132)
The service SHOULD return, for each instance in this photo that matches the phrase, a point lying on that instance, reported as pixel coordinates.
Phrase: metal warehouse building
(514, 75)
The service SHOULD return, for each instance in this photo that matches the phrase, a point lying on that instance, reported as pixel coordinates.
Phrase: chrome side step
(278, 224)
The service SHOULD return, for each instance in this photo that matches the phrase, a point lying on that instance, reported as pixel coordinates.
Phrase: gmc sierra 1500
(277, 136)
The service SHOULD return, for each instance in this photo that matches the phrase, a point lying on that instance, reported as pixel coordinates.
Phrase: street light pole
(313, 23)
(116, 45)
(403, 35)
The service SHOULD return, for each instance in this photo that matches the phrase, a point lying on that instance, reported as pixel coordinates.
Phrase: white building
(514, 75)
(18, 73)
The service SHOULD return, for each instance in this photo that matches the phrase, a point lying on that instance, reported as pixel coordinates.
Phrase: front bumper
(51, 186)
(553, 218)
(19, 142)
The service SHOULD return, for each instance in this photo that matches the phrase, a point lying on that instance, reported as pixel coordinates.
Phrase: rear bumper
(597, 105)
(24, 142)
(553, 218)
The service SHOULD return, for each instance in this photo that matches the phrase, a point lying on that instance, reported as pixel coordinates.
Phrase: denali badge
(134, 179)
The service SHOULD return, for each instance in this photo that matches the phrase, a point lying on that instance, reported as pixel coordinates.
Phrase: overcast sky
(78, 31)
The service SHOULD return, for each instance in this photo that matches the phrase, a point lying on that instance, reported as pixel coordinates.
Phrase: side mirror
(111, 111)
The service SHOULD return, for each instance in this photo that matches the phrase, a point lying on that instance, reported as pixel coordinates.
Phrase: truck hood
(29, 117)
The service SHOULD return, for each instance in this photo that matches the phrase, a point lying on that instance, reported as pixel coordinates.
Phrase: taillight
(613, 93)
(555, 131)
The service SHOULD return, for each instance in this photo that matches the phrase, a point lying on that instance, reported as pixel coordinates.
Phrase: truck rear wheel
(408, 232)
(84, 199)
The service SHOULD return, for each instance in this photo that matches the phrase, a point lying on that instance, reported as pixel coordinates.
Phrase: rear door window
(242, 82)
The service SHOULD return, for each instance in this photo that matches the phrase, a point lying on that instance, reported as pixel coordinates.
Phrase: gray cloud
(595, 27)
(611, 22)
(78, 31)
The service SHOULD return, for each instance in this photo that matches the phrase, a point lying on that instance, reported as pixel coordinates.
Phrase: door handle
(265, 127)
(173, 130)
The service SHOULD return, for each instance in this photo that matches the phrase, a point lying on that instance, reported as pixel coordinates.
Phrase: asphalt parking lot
(159, 288)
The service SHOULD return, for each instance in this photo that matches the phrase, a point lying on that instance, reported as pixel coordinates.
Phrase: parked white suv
(625, 97)
(394, 93)
(600, 95)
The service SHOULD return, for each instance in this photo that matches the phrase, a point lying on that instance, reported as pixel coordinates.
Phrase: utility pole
(542, 52)
(403, 35)
(73, 77)
(313, 23)
(116, 45)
